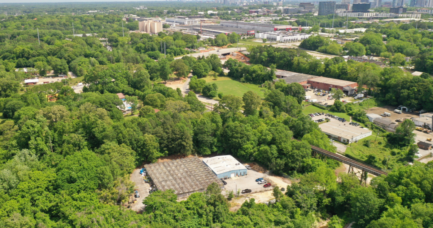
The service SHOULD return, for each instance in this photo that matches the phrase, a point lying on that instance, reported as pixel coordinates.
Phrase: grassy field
(312, 109)
(377, 152)
(228, 86)
(75, 81)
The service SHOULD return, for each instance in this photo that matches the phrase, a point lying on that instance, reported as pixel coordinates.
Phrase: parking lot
(245, 182)
(318, 97)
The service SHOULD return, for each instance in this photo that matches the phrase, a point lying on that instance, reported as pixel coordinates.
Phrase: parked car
(267, 185)
(261, 182)
(224, 182)
(246, 191)
(259, 179)
(137, 195)
(248, 167)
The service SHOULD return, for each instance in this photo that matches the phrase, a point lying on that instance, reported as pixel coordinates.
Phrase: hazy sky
(54, 1)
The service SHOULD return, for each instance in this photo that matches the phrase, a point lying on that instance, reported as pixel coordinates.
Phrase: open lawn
(228, 86)
(375, 151)
(75, 81)
(312, 109)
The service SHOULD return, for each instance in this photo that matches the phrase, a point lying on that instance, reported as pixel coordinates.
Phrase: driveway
(142, 188)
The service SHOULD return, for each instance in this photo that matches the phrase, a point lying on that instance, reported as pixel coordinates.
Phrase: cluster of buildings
(283, 37)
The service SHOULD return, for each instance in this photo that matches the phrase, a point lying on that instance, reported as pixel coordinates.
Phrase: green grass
(312, 109)
(75, 81)
(377, 153)
(228, 86)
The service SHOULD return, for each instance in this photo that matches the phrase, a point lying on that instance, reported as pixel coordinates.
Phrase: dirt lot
(390, 109)
(326, 100)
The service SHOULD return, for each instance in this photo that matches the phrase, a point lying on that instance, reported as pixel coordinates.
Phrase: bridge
(351, 162)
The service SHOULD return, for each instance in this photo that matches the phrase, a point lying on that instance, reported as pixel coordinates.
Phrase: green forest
(66, 162)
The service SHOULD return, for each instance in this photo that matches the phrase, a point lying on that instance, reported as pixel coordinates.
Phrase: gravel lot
(143, 190)
(245, 182)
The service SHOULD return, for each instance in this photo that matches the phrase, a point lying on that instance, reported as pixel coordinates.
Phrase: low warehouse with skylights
(225, 166)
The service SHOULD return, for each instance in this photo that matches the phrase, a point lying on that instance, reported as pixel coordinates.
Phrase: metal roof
(223, 164)
(343, 130)
(185, 175)
(332, 81)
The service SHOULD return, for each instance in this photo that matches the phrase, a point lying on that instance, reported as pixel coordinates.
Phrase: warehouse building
(423, 122)
(225, 166)
(386, 123)
(371, 117)
(344, 132)
(282, 37)
(261, 27)
(327, 84)
(185, 176)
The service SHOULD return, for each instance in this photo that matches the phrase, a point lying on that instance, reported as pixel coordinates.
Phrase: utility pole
(165, 50)
(123, 29)
(38, 37)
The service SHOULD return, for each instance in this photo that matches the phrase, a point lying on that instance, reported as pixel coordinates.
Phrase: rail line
(349, 161)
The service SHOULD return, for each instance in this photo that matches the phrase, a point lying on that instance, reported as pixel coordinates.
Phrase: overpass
(351, 162)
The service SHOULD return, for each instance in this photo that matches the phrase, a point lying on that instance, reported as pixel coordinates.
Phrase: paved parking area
(245, 182)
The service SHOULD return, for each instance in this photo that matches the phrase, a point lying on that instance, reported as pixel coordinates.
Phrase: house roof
(33, 80)
(121, 96)
(426, 144)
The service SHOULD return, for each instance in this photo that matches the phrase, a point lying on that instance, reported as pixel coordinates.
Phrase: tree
(337, 94)
(11, 107)
(197, 70)
(252, 101)
(8, 87)
(221, 40)
(398, 60)
(364, 206)
(210, 90)
(42, 67)
(164, 69)
(229, 105)
(403, 135)
(277, 193)
(194, 103)
(355, 49)
(265, 40)
(180, 68)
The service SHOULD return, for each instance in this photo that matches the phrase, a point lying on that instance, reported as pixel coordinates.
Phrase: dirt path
(143, 190)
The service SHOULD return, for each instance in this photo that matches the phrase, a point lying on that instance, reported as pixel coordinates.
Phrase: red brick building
(327, 84)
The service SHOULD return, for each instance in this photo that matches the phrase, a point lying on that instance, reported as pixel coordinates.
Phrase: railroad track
(349, 161)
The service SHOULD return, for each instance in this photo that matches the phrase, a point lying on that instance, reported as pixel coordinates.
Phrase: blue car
(259, 179)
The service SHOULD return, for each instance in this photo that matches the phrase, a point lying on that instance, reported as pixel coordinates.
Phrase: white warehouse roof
(33, 80)
(223, 164)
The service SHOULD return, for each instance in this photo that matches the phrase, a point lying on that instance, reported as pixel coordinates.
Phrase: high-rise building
(307, 6)
(377, 3)
(418, 3)
(345, 2)
(361, 7)
(342, 6)
(326, 8)
(397, 3)
(150, 26)
(398, 10)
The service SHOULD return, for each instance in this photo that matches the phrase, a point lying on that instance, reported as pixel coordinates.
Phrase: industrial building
(379, 15)
(327, 84)
(294, 77)
(386, 123)
(150, 26)
(326, 8)
(307, 6)
(283, 37)
(185, 176)
(182, 21)
(225, 166)
(398, 10)
(361, 7)
(262, 27)
(423, 122)
(371, 117)
(344, 132)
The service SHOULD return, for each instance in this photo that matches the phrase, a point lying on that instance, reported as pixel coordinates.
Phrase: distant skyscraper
(326, 8)
(397, 3)
(356, 1)
(377, 3)
(345, 2)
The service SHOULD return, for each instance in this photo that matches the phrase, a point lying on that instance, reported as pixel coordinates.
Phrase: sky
(55, 1)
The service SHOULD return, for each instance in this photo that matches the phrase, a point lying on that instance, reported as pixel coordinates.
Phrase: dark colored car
(224, 182)
(246, 191)
(137, 195)
(267, 185)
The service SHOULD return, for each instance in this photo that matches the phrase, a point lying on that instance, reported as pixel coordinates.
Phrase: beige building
(150, 26)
